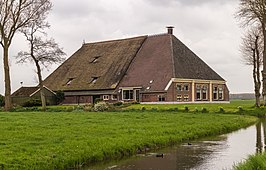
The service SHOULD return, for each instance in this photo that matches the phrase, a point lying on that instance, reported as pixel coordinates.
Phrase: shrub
(204, 110)
(101, 106)
(2, 100)
(143, 108)
(78, 108)
(88, 107)
(196, 109)
(154, 109)
(221, 110)
(240, 109)
(118, 104)
(135, 102)
(98, 100)
(32, 103)
(186, 109)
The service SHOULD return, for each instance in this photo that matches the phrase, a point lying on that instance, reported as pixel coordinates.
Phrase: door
(137, 96)
(95, 98)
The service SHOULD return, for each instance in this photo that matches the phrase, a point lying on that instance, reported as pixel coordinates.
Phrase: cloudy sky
(207, 27)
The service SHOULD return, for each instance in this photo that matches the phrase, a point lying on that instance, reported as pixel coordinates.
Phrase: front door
(95, 98)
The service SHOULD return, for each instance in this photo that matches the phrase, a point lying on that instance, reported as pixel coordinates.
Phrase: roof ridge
(156, 35)
(114, 40)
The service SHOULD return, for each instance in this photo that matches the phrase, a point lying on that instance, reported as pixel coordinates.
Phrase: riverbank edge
(129, 152)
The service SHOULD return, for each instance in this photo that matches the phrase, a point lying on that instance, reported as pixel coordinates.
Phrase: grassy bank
(257, 162)
(38, 140)
(234, 107)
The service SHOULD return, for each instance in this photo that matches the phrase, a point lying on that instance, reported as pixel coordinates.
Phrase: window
(128, 94)
(95, 59)
(215, 93)
(114, 97)
(204, 92)
(151, 81)
(148, 88)
(179, 87)
(186, 98)
(198, 92)
(105, 97)
(220, 91)
(93, 80)
(161, 98)
(179, 98)
(69, 81)
(186, 87)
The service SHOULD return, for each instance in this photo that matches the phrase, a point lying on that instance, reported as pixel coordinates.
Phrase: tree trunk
(43, 99)
(264, 65)
(8, 102)
(257, 92)
(259, 144)
(258, 84)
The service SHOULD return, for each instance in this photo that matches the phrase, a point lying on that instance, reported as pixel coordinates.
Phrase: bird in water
(159, 155)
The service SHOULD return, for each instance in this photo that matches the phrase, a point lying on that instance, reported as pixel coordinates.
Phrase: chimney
(170, 29)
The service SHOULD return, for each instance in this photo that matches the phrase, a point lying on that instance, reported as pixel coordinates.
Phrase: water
(216, 153)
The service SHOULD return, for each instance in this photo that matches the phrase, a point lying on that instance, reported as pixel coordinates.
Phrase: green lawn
(47, 140)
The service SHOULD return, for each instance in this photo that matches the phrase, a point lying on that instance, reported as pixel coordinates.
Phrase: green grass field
(48, 140)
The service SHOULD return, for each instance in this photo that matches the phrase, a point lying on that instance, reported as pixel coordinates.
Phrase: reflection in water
(261, 138)
(221, 152)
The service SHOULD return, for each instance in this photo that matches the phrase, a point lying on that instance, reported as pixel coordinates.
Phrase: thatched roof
(147, 61)
(94, 66)
(28, 91)
(25, 91)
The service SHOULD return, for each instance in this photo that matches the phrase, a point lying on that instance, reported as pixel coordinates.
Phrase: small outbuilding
(24, 94)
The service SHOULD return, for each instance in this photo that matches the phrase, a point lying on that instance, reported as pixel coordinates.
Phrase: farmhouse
(157, 68)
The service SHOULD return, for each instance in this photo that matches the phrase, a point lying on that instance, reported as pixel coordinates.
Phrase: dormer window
(69, 81)
(151, 81)
(93, 80)
(95, 59)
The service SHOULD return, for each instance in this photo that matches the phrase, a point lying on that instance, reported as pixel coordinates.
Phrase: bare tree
(42, 52)
(14, 15)
(254, 12)
(251, 49)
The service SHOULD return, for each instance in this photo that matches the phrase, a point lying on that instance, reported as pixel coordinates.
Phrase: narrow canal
(219, 153)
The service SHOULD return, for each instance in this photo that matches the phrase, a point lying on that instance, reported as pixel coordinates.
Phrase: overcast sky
(207, 27)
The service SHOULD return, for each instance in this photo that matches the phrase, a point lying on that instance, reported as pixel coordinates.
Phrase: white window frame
(179, 98)
(186, 85)
(160, 97)
(198, 87)
(219, 90)
(105, 97)
(186, 97)
(205, 90)
(215, 92)
(133, 95)
(178, 85)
